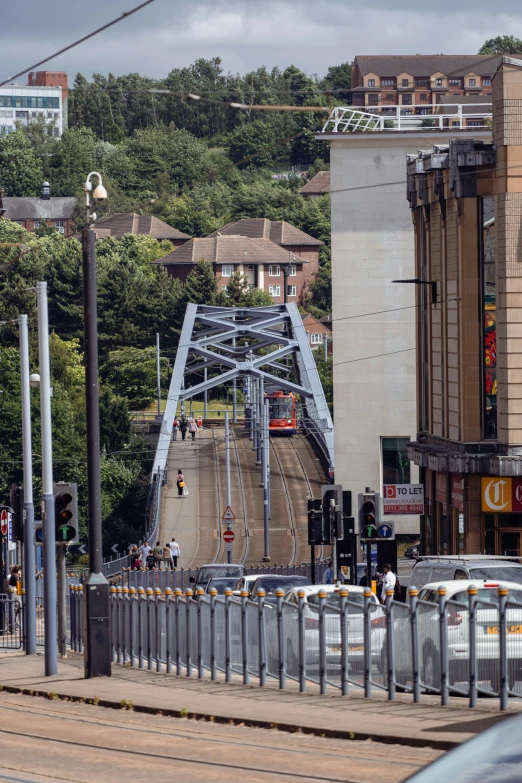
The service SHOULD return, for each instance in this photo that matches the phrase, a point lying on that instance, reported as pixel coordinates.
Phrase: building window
(472, 82)
(274, 270)
(475, 124)
(406, 100)
(455, 123)
(486, 81)
(395, 462)
(224, 288)
(373, 100)
(438, 82)
(291, 290)
(455, 82)
(37, 224)
(227, 270)
(293, 270)
(59, 225)
(274, 290)
(489, 319)
(316, 339)
(423, 96)
(251, 267)
(388, 82)
(371, 82)
(405, 83)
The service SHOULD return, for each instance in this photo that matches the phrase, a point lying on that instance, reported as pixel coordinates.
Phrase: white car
(332, 629)
(244, 583)
(486, 634)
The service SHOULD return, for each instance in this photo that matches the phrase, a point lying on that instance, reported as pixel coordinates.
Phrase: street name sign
(403, 499)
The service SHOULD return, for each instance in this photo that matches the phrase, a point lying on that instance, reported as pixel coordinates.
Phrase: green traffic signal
(369, 531)
(65, 533)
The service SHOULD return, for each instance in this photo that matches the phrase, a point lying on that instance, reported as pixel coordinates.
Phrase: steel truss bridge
(249, 342)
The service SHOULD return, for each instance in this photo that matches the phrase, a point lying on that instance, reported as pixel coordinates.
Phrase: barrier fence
(334, 640)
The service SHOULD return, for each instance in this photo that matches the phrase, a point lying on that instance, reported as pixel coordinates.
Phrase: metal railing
(340, 641)
(448, 116)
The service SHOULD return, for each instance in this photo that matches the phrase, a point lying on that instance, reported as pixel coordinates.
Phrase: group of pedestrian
(183, 426)
(155, 558)
(387, 580)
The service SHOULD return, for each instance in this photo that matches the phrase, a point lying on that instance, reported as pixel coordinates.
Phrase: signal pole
(227, 463)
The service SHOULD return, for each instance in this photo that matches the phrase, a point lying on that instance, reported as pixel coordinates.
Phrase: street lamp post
(96, 587)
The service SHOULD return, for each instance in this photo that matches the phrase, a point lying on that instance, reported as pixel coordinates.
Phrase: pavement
(179, 516)
(426, 724)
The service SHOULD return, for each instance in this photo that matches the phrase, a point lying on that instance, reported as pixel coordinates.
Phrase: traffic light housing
(315, 521)
(369, 515)
(17, 515)
(66, 512)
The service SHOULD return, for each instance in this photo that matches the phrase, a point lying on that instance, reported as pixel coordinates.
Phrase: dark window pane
(489, 521)
(395, 462)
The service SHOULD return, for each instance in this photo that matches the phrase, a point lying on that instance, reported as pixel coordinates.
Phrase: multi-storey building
(45, 96)
(417, 82)
(466, 201)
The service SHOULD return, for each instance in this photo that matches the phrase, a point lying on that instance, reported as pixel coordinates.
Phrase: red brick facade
(68, 226)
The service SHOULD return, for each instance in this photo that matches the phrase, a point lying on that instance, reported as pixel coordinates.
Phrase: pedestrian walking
(158, 554)
(135, 559)
(388, 581)
(151, 561)
(144, 551)
(328, 574)
(193, 428)
(175, 553)
(180, 481)
(183, 426)
(167, 558)
(175, 429)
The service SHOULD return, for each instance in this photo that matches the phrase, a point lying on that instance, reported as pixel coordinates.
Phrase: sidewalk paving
(347, 717)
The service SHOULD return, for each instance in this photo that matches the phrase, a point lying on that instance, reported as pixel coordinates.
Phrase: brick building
(30, 212)
(318, 332)
(257, 247)
(466, 201)
(415, 82)
(131, 223)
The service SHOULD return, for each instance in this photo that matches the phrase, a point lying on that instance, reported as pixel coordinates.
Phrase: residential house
(30, 212)
(319, 185)
(131, 223)
(318, 333)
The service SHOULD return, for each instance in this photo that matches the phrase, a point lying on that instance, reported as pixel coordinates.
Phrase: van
(480, 568)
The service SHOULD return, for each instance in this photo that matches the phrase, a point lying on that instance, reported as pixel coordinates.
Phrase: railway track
(289, 503)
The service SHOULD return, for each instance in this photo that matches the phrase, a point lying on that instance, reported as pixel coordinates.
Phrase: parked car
(244, 583)
(412, 551)
(215, 570)
(220, 583)
(494, 756)
(333, 628)
(272, 582)
(486, 635)
(478, 568)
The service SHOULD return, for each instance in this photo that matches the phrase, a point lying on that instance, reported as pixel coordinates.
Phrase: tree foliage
(502, 44)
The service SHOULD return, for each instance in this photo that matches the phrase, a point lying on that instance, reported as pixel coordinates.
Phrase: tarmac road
(48, 741)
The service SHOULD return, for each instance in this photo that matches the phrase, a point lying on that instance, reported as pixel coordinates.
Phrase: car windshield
(487, 595)
(495, 756)
(497, 573)
(335, 599)
(211, 572)
(221, 584)
(271, 585)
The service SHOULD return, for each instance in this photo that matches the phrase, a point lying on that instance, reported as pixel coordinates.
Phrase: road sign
(386, 530)
(114, 548)
(78, 549)
(229, 536)
(228, 547)
(229, 515)
(4, 519)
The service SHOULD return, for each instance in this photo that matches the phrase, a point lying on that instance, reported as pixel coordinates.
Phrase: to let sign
(403, 499)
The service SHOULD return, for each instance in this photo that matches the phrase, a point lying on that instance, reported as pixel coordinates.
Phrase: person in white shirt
(388, 581)
(174, 553)
(144, 551)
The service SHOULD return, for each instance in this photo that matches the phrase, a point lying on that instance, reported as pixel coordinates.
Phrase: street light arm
(418, 281)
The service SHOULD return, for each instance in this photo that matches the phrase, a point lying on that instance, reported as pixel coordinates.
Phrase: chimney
(46, 192)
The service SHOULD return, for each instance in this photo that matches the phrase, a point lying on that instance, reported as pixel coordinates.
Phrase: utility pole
(205, 396)
(49, 533)
(28, 522)
(227, 463)
(259, 417)
(61, 552)
(266, 481)
(158, 372)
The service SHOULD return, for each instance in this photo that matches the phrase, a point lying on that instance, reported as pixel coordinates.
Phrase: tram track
(288, 500)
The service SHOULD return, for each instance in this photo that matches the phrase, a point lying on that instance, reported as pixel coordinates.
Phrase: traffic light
(315, 521)
(17, 515)
(369, 508)
(66, 512)
(328, 495)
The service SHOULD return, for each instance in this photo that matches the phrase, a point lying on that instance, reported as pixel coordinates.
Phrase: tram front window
(281, 408)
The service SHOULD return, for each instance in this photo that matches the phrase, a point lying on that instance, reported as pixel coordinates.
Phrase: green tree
(338, 79)
(252, 143)
(21, 172)
(502, 44)
(170, 152)
(74, 160)
(131, 372)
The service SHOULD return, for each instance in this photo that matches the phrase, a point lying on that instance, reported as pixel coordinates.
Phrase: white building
(22, 104)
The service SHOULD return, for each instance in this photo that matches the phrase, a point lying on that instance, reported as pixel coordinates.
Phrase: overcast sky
(246, 34)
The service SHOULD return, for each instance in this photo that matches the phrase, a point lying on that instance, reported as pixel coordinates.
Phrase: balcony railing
(454, 116)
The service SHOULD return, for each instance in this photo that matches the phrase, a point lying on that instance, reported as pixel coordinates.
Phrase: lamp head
(34, 380)
(100, 193)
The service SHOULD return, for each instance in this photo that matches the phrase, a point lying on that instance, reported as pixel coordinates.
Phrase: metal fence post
(188, 598)
(213, 670)
(322, 641)
(168, 601)
(200, 594)
(124, 613)
(261, 633)
(141, 608)
(244, 636)
(443, 626)
(302, 645)
(119, 620)
(472, 596)
(344, 641)
(228, 597)
(177, 635)
(132, 612)
(280, 639)
(503, 662)
(390, 644)
(149, 592)
(413, 593)
(157, 641)
(367, 643)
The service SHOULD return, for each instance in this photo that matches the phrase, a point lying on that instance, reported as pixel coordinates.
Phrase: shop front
(501, 505)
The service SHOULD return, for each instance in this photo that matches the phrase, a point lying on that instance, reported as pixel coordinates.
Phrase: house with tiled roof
(317, 186)
(131, 223)
(260, 259)
(31, 212)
